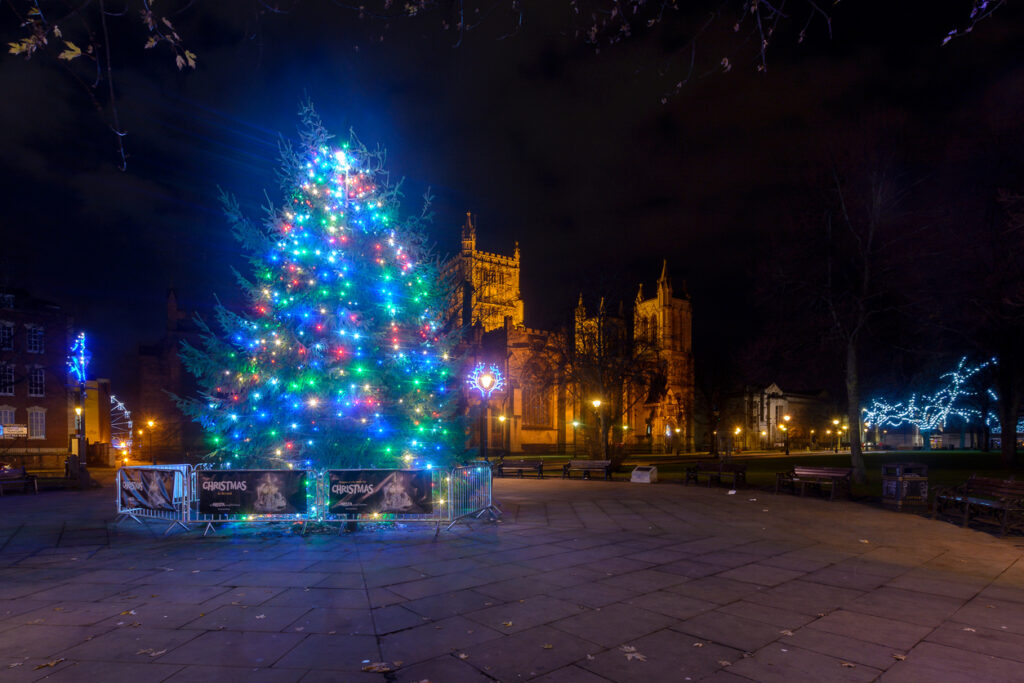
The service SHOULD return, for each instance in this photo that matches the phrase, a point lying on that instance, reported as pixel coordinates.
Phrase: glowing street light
(485, 378)
(785, 429)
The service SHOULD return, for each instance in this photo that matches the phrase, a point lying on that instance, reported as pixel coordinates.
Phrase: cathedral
(543, 408)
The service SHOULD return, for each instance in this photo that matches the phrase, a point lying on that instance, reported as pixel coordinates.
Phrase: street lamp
(835, 422)
(485, 378)
(600, 426)
(152, 453)
(785, 429)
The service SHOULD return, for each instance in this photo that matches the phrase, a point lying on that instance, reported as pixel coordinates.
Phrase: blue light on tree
(79, 358)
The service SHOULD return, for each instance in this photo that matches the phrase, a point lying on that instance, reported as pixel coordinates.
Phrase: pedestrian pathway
(581, 581)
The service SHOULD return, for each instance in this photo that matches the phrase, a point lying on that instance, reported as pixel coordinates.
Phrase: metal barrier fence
(170, 504)
(457, 495)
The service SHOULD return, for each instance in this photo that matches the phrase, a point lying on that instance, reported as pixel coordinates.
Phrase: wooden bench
(587, 466)
(817, 477)
(18, 476)
(520, 466)
(715, 471)
(993, 501)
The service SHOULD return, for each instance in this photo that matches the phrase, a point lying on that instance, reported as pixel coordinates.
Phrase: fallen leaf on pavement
(398, 663)
(548, 646)
(590, 657)
(724, 662)
(261, 616)
(463, 655)
(377, 668)
(968, 628)
(698, 644)
(849, 665)
(52, 663)
(11, 666)
(864, 540)
(506, 623)
(898, 657)
(158, 653)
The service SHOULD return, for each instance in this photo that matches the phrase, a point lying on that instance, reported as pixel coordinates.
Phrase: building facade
(766, 416)
(545, 409)
(36, 406)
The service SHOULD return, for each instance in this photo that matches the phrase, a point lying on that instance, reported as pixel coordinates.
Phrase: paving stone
(526, 654)
(805, 597)
(570, 577)
(779, 663)
(998, 615)
(781, 618)
(716, 589)
(442, 567)
(12, 590)
(729, 559)
(936, 583)
(155, 614)
(671, 604)
(270, 578)
(331, 652)
(327, 676)
(512, 617)
(78, 592)
(382, 597)
(934, 662)
(518, 589)
(233, 648)
(394, 618)
(247, 595)
(243, 618)
(897, 634)
(691, 569)
(112, 672)
(450, 604)
(43, 640)
(181, 594)
(71, 613)
(337, 566)
(435, 585)
(444, 668)
(590, 595)
(287, 566)
(343, 580)
(997, 643)
(11, 609)
(644, 580)
(918, 608)
(435, 639)
(613, 625)
(764, 575)
(842, 647)
(846, 577)
(129, 645)
(321, 597)
(667, 656)
(727, 629)
(224, 674)
(118, 576)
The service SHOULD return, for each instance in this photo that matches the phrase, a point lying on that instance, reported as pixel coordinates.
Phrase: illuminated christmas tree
(340, 360)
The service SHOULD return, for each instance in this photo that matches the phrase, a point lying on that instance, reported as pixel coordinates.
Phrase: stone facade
(542, 410)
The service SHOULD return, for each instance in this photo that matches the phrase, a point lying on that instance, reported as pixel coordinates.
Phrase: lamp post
(600, 426)
(785, 429)
(835, 423)
(152, 453)
(485, 378)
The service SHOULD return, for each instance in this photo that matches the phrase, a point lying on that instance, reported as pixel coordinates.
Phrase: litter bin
(644, 474)
(905, 485)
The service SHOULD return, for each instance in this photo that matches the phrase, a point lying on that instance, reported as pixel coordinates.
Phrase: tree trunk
(1008, 404)
(853, 412)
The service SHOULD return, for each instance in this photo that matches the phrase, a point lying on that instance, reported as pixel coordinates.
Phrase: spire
(515, 254)
(640, 293)
(664, 284)
(469, 234)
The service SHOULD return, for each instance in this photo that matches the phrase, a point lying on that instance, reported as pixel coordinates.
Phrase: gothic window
(536, 406)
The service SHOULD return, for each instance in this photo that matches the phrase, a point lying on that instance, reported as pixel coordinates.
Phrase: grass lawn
(944, 467)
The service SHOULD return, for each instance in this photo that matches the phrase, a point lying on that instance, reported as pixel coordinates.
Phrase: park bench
(18, 476)
(520, 466)
(817, 477)
(993, 501)
(587, 466)
(715, 471)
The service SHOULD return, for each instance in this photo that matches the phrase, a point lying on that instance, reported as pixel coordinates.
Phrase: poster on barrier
(251, 492)
(360, 492)
(148, 489)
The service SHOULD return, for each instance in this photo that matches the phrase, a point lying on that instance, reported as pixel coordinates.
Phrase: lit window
(37, 423)
(6, 380)
(36, 382)
(35, 340)
(6, 337)
(6, 415)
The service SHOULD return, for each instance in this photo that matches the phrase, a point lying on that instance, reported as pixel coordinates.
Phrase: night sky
(574, 154)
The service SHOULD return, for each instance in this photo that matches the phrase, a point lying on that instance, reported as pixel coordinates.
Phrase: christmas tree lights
(340, 360)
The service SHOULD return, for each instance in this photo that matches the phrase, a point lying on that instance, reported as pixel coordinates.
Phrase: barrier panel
(186, 495)
(160, 492)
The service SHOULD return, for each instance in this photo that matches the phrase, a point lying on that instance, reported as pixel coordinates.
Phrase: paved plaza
(581, 581)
